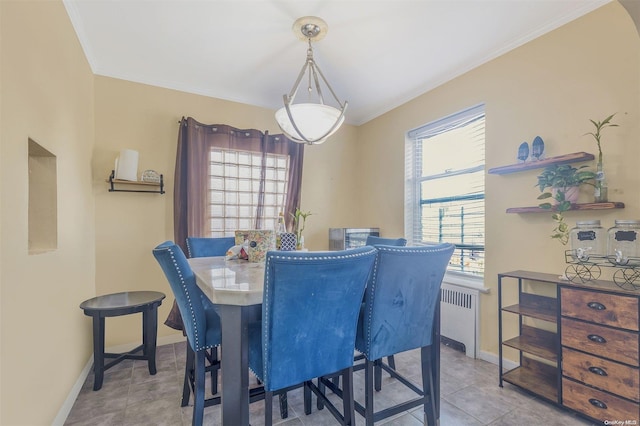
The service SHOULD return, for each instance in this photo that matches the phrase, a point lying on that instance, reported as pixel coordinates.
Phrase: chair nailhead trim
(190, 302)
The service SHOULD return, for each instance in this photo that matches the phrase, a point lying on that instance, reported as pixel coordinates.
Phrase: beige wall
(589, 68)
(47, 95)
(551, 86)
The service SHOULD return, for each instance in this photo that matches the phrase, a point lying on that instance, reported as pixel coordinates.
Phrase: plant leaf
(608, 119)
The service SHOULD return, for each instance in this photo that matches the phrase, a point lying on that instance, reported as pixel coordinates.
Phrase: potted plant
(564, 182)
(299, 220)
(600, 193)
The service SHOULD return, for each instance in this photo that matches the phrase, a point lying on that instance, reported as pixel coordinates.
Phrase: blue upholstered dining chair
(201, 322)
(380, 241)
(206, 247)
(400, 303)
(310, 311)
(377, 241)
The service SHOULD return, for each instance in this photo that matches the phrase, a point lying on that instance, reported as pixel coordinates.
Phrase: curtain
(195, 140)
(190, 191)
(280, 144)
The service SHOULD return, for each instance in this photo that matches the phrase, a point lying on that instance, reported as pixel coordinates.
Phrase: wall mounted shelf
(575, 157)
(584, 206)
(159, 187)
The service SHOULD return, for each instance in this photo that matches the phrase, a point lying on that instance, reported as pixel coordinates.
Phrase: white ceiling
(376, 55)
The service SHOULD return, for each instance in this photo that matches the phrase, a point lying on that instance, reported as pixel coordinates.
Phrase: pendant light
(310, 122)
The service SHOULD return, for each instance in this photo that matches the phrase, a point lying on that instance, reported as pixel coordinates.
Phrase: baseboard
(64, 411)
(170, 340)
(493, 359)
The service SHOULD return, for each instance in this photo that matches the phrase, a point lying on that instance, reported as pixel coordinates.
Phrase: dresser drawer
(601, 308)
(618, 345)
(601, 373)
(597, 404)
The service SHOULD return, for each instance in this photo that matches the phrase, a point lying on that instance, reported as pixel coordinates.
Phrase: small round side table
(117, 304)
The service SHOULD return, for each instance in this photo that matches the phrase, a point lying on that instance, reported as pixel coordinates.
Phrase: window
(444, 187)
(234, 185)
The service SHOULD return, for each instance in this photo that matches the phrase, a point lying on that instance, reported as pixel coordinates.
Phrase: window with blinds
(234, 187)
(445, 187)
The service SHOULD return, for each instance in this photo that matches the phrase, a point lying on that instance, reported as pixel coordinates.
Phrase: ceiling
(377, 55)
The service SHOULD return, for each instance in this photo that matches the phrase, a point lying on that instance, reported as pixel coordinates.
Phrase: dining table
(236, 287)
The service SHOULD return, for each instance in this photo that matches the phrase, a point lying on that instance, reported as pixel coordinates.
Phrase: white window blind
(444, 187)
(234, 183)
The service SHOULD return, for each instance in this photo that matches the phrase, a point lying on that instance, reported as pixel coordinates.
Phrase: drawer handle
(599, 371)
(597, 403)
(597, 339)
(597, 306)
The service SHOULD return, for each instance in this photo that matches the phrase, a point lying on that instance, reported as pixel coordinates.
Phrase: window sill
(464, 280)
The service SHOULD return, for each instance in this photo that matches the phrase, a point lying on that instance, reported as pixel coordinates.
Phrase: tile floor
(470, 397)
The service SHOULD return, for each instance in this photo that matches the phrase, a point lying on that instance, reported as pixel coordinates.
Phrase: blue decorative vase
(288, 241)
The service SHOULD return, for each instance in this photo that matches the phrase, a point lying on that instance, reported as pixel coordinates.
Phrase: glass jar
(588, 238)
(623, 245)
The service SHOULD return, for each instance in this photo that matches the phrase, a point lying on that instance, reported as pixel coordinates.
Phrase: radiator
(459, 316)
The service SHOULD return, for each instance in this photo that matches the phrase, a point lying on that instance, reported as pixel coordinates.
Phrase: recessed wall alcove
(43, 196)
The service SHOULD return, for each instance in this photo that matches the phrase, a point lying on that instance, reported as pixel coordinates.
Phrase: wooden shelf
(536, 341)
(582, 206)
(575, 157)
(534, 306)
(536, 377)
(129, 182)
(113, 182)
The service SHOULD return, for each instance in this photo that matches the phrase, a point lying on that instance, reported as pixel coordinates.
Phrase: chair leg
(215, 366)
(198, 397)
(284, 409)
(188, 377)
(321, 388)
(427, 386)
(307, 398)
(368, 392)
(347, 397)
(391, 361)
(268, 408)
(377, 368)
(336, 381)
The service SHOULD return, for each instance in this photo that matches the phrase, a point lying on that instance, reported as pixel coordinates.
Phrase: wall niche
(43, 199)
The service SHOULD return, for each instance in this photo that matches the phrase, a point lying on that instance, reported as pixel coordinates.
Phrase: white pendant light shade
(315, 121)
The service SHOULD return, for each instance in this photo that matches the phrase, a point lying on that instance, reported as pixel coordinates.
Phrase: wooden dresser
(596, 372)
(600, 346)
